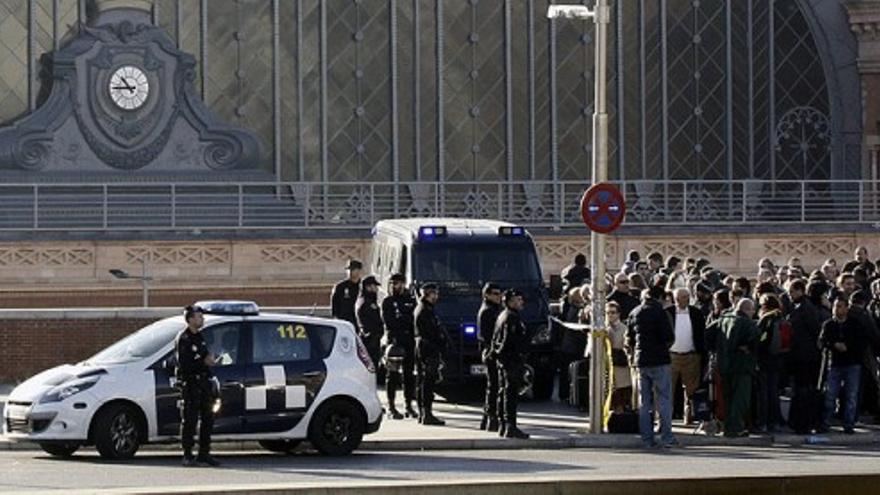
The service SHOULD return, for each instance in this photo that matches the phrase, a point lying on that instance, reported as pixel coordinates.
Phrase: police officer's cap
(354, 265)
(428, 288)
(190, 311)
(367, 281)
(490, 287)
(510, 294)
(398, 277)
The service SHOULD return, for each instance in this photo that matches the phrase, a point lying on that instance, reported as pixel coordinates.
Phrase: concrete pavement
(552, 425)
(684, 470)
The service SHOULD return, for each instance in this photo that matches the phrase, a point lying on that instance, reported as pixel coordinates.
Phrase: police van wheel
(60, 449)
(117, 432)
(280, 446)
(337, 428)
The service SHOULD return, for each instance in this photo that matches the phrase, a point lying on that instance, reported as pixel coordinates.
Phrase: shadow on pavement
(356, 466)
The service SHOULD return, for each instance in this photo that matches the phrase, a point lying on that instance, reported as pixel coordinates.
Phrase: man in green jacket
(737, 340)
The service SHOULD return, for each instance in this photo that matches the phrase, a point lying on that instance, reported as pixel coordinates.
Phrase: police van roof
(454, 226)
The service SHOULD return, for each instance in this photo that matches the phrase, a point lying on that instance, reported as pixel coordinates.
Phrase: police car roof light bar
(233, 308)
(431, 231)
(512, 231)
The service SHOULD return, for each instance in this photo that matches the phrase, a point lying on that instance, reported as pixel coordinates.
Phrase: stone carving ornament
(122, 89)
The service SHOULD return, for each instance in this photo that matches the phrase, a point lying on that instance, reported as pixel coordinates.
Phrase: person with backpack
(737, 339)
(773, 344)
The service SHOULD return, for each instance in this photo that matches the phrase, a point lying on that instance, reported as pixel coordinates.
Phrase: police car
(283, 379)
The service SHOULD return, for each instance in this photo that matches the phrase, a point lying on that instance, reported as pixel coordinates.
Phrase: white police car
(283, 379)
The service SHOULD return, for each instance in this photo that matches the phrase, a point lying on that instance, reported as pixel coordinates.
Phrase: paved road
(27, 471)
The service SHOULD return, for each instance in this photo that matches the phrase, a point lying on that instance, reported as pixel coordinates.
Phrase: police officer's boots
(393, 413)
(428, 418)
(410, 412)
(513, 432)
(189, 459)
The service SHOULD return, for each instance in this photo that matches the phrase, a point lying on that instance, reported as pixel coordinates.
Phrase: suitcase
(626, 422)
(579, 383)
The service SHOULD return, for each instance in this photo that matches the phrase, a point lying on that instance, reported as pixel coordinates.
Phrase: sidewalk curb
(580, 442)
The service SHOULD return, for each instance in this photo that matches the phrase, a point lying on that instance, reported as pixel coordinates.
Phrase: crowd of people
(809, 336)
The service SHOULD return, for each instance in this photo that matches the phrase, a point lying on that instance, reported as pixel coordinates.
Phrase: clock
(129, 87)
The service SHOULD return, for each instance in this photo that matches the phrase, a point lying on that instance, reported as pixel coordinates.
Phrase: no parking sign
(603, 208)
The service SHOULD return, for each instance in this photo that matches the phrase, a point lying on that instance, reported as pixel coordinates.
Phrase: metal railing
(304, 205)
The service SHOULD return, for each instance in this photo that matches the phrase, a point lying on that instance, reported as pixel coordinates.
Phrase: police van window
(498, 262)
(223, 341)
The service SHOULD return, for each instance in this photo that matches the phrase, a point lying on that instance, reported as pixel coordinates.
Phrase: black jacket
(575, 275)
(872, 333)
(343, 299)
(626, 302)
(698, 326)
(509, 343)
(851, 333)
(191, 352)
(486, 323)
(805, 326)
(431, 338)
(397, 313)
(368, 317)
(649, 335)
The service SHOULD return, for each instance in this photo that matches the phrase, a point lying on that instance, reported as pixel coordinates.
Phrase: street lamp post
(144, 278)
(601, 15)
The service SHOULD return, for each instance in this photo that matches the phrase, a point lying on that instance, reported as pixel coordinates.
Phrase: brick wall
(28, 346)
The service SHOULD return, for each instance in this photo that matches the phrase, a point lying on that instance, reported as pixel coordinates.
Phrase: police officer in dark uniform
(431, 345)
(486, 318)
(509, 345)
(345, 294)
(368, 317)
(397, 313)
(194, 376)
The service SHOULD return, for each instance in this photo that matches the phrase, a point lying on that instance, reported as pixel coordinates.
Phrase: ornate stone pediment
(120, 97)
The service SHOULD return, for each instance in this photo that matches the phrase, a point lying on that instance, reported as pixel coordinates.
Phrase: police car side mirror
(555, 287)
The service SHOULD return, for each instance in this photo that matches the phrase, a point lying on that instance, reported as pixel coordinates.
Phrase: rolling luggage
(579, 383)
(626, 422)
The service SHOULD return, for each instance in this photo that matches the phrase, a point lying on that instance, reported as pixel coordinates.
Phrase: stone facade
(299, 272)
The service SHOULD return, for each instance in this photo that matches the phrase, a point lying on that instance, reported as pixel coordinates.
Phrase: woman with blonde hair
(621, 395)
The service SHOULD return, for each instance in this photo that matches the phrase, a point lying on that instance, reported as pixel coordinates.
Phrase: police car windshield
(141, 344)
(477, 263)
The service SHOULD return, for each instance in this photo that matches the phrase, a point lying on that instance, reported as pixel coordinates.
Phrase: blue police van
(460, 255)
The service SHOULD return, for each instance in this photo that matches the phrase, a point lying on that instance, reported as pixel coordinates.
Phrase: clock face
(129, 87)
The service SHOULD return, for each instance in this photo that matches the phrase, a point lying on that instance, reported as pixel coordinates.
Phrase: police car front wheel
(337, 428)
(117, 432)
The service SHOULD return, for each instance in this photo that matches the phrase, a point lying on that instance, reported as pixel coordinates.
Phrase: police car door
(225, 343)
(286, 373)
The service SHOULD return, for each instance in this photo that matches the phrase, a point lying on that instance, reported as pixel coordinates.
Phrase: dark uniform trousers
(409, 379)
(198, 407)
(490, 406)
(510, 377)
(428, 370)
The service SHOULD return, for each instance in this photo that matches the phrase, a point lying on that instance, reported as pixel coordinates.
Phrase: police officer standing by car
(431, 345)
(194, 379)
(368, 317)
(509, 345)
(486, 318)
(397, 313)
(345, 294)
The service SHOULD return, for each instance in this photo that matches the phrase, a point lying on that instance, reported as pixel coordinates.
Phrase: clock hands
(127, 86)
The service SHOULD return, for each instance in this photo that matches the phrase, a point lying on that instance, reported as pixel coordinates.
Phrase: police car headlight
(70, 389)
(542, 336)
